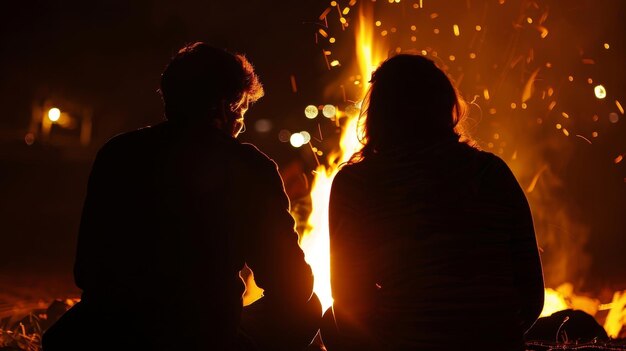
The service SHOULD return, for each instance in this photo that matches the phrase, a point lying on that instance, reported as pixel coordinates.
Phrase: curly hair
(200, 78)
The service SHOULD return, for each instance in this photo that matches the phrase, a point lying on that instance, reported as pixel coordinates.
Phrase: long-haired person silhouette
(173, 212)
(432, 240)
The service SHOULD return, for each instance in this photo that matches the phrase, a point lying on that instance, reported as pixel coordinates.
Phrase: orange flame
(315, 241)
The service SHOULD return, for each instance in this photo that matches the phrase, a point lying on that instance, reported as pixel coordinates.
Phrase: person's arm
(271, 241)
(527, 267)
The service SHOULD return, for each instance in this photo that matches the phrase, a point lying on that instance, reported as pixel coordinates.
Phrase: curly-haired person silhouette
(432, 240)
(173, 212)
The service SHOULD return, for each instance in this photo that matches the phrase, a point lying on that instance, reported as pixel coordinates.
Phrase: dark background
(107, 56)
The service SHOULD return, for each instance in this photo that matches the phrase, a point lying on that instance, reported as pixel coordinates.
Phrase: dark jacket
(171, 216)
(432, 250)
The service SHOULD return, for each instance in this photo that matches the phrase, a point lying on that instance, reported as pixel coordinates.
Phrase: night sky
(107, 57)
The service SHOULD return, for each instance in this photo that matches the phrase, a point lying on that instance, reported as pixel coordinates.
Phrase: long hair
(410, 103)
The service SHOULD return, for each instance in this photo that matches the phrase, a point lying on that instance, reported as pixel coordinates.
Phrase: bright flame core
(315, 242)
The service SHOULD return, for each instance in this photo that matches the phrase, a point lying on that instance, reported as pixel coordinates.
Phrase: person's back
(432, 244)
(173, 213)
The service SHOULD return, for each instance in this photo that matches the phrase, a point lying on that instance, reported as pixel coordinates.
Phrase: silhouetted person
(172, 214)
(432, 240)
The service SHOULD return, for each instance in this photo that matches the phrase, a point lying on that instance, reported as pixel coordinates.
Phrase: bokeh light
(296, 140)
(263, 125)
(329, 111)
(311, 111)
(54, 114)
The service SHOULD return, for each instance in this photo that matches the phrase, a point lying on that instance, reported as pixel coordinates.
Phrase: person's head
(204, 83)
(411, 102)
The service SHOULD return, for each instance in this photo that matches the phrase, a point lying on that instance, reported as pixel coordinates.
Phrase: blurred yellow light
(413, 28)
(413, 38)
(335, 63)
(589, 80)
(456, 30)
(529, 20)
(452, 58)
(343, 20)
(606, 46)
(346, 11)
(564, 115)
(378, 23)
(599, 91)
(558, 126)
(383, 33)
(486, 94)
(329, 111)
(513, 105)
(331, 40)
(296, 139)
(436, 31)
(54, 114)
(524, 105)
(478, 28)
(333, 3)
(311, 111)
(424, 52)
(472, 55)
(306, 136)
(594, 134)
(570, 78)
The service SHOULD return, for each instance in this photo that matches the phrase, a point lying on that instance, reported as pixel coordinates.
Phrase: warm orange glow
(619, 107)
(554, 302)
(370, 53)
(315, 241)
(616, 318)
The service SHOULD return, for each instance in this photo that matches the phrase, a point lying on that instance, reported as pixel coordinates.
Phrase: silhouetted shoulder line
(251, 153)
